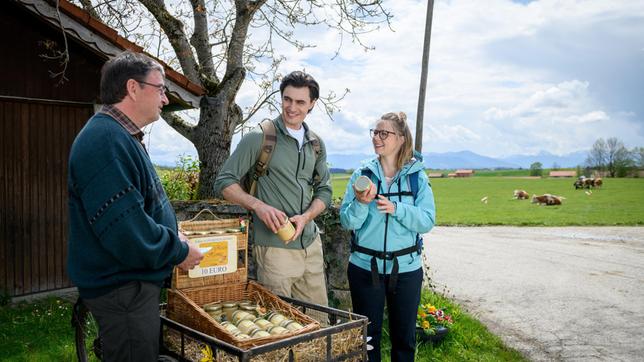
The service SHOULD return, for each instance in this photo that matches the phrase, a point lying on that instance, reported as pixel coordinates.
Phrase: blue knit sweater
(121, 224)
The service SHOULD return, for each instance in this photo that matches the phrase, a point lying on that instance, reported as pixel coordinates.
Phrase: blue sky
(505, 77)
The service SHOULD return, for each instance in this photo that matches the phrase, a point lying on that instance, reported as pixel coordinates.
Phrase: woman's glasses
(381, 133)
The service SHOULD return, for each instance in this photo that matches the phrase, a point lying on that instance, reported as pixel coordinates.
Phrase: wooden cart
(192, 334)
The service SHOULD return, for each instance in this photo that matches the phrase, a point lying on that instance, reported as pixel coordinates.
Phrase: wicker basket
(188, 294)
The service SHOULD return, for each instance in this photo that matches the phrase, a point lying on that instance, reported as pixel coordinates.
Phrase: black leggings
(402, 305)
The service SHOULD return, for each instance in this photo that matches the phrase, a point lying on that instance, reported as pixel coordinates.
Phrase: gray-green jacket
(288, 183)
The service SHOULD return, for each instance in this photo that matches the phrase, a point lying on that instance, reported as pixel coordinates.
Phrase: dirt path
(555, 294)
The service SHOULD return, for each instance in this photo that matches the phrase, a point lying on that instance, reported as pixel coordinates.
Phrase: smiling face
(296, 103)
(390, 146)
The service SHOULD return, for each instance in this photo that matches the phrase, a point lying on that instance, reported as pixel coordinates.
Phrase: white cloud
(504, 78)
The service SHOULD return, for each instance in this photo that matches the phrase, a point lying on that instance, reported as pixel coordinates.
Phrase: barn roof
(106, 43)
(563, 173)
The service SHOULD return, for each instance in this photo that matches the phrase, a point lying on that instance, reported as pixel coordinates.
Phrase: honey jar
(291, 325)
(240, 315)
(263, 323)
(277, 330)
(259, 334)
(275, 318)
(228, 308)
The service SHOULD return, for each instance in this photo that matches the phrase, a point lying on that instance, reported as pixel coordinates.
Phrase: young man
(290, 189)
(123, 239)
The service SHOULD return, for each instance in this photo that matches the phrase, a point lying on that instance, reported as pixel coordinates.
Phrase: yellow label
(220, 256)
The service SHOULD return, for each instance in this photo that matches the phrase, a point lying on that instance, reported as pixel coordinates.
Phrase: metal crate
(342, 338)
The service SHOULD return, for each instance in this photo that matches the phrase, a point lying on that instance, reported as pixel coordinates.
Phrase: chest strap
(385, 255)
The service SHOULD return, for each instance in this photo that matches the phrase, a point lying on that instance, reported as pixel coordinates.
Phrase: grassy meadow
(458, 201)
(41, 331)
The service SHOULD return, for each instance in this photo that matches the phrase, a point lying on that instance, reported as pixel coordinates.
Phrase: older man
(123, 239)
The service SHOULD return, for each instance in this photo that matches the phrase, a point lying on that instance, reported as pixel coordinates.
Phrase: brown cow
(589, 182)
(546, 199)
(521, 195)
(598, 182)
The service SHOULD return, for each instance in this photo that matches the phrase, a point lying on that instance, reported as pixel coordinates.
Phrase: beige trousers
(294, 273)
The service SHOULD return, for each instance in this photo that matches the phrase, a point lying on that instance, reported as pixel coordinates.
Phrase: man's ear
(132, 88)
(312, 105)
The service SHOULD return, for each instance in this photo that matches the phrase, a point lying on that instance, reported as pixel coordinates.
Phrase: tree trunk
(213, 139)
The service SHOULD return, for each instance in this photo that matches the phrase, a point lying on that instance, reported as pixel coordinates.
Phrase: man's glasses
(162, 88)
(381, 133)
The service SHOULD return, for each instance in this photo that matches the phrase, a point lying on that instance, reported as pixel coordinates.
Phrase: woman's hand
(367, 195)
(385, 206)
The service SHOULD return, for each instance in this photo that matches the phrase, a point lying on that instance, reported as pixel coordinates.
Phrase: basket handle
(199, 213)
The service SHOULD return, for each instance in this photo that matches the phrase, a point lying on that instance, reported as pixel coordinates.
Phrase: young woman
(387, 221)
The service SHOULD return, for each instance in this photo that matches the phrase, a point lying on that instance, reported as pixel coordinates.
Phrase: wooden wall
(24, 70)
(34, 148)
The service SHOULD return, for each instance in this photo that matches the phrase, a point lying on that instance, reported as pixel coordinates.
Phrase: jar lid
(212, 307)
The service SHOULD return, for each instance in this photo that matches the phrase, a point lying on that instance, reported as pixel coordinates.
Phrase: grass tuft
(467, 340)
(39, 331)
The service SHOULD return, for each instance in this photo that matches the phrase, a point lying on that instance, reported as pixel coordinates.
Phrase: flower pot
(435, 338)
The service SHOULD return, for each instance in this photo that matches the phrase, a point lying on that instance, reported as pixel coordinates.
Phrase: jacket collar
(416, 164)
(279, 123)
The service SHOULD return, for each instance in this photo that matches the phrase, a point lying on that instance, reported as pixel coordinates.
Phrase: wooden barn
(39, 119)
(562, 174)
(464, 173)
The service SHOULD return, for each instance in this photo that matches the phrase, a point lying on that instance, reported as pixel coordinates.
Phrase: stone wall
(335, 241)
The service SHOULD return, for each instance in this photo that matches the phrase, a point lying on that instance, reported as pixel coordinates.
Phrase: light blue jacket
(374, 229)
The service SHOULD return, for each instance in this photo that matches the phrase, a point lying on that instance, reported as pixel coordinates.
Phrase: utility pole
(423, 77)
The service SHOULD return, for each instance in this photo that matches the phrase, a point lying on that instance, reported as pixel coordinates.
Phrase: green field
(458, 201)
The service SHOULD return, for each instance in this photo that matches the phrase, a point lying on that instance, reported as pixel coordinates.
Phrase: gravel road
(555, 294)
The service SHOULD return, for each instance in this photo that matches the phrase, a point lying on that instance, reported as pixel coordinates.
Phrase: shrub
(5, 298)
(182, 182)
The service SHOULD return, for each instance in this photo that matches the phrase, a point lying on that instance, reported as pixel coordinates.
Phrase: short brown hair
(299, 79)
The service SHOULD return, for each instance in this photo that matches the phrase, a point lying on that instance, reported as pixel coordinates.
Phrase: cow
(554, 200)
(521, 195)
(547, 199)
(598, 182)
(589, 182)
(579, 184)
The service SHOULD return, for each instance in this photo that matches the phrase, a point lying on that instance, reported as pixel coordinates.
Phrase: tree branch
(181, 126)
(245, 11)
(257, 106)
(173, 29)
(199, 39)
(87, 6)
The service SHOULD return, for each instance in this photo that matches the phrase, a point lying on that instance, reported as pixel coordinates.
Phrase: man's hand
(194, 256)
(270, 216)
(367, 195)
(299, 221)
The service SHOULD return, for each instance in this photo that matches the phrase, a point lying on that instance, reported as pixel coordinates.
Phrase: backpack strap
(317, 150)
(413, 184)
(269, 142)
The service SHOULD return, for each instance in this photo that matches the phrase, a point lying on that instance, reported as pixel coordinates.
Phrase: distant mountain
(347, 161)
(468, 159)
(463, 159)
(547, 159)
